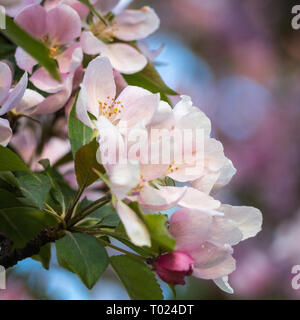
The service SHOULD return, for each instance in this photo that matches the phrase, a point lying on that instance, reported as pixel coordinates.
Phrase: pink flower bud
(174, 267)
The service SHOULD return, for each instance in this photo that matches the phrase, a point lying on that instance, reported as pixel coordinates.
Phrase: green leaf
(150, 79)
(8, 200)
(79, 133)
(32, 46)
(137, 278)
(84, 255)
(35, 188)
(9, 161)
(23, 224)
(107, 215)
(85, 162)
(157, 225)
(44, 256)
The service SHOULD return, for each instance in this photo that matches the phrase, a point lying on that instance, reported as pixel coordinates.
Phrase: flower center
(111, 108)
(103, 32)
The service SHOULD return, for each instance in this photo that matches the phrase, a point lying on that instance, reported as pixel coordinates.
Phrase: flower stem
(105, 243)
(90, 209)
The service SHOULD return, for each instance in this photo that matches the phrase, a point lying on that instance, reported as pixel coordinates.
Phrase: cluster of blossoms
(204, 229)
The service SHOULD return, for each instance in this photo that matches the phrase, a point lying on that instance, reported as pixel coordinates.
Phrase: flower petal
(210, 255)
(190, 228)
(5, 132)
(223, 284)
(82, 107)
(104, 6)
(57, 100)
(162, 199)
(70, 59)
(134, 226)
(30, 99)
(218, 271)
(125, 58)
(140, 111)
(33, 20)
(45, 82)
(5, 81)
(63, 24)
(136, 24)
(24, 60)
(91, 44)
(15, 95)
(247, 219)
(14, 10)
(225, 231)
(195, 199)
(99, 84)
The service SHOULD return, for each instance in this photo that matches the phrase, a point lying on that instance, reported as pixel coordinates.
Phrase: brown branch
(9, 258)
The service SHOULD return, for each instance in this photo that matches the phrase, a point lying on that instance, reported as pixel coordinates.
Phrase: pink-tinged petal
(150, 54)
(218, 271)
(5, 81)
(214, 180)
(43, 81)
(63, 24)
(10, 2)
(125, 58)
(99, 83)
(124, 177)
(223, 284)
(134, 226)
(140, 111)
(24, 60)
(15, 95)
(189, 117)
(91, 44)
(104, 6)
(29, 100)
(70, 59)
(51, 4)
(14, 10)
(79, 7)
(132, 93)
(214, 155)
(162, 199)
(247, 219)
(210, 255)
(190, 228)
(113, 148)
(5, 132)
(206, 182)
(163, 117)
(82, 107)
(225, 231)
(136, 24)
(57, 100)
(174, 267)
(226, 174)
(195, 199)
(33, 20)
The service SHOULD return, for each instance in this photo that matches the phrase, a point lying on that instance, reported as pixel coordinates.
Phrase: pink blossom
(18, 97)
(207, 237)
(58, 28)
(174, 267)
(129, 25)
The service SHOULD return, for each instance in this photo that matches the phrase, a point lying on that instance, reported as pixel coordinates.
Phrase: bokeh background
(239, 61)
